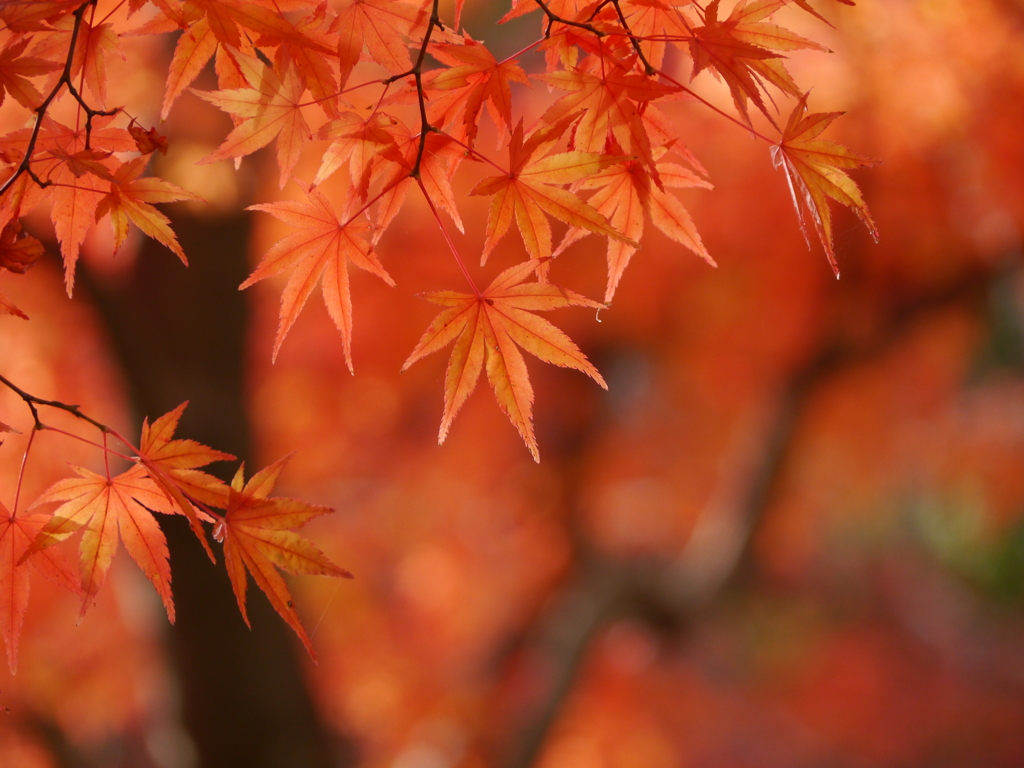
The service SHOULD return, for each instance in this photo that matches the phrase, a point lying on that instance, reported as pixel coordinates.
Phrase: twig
(32, 401)
(417, 73)
(65, 79)
(554, 17)
(650, 70)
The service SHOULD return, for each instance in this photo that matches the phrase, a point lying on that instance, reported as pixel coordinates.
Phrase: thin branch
(417, 73)
(554, 17)
(648, 68)
(32, 401)
(672, 594)
(65, 79)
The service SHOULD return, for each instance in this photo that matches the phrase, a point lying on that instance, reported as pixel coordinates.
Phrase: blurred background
(790, 534)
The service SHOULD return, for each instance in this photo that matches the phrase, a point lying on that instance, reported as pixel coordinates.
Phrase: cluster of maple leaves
(601, 159)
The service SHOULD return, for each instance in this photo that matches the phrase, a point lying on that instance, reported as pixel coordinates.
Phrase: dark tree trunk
(180, 335)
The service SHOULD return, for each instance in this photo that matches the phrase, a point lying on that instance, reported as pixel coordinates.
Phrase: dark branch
(32, 401)
(648, 68)
(554, 17)
(669, 595)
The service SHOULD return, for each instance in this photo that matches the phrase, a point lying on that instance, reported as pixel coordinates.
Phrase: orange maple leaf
(532, 188)
(29, 16)
(74, 195)
(92, 46)
(473, 78)
(323, 245)
(383, 27)
(315, 68)
(17, 532)
(813, 169)
(193, 50)
(148, 141)
(130, 198)
(106, 506)
(487, 328)
(607, 97)
(172, 465)
(257, 534)
(742, 50)
(654, 23)
(15, 69)
(271, 108)
(624, 193)
(359, 142)
(438, 163)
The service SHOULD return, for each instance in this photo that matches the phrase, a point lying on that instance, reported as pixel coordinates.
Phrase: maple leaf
(531, 189)
(199, 40)
(813, 169)
(193, 50)
(624, 193)
(323, 245)
(107, 507)
(474, 78)
(607, 101)
(653, 23)
(130, 198)
(92, 46)
(313, 66)
(270, 109)
(742, 49)
(172, 465)
(60, 153)
(488, 329)
(359, 142)
(17, 532)
(224, 17)
(29, 16)
(257, 533)
(441, 157)
(384, 27)
(15, 70)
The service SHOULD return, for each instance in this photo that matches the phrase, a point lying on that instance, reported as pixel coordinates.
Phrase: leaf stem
(472, 151)
(711, 106)
(448, 239)
(21, 472)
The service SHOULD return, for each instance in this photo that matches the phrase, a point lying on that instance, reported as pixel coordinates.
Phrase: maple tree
(284, 72)
(792, 523)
